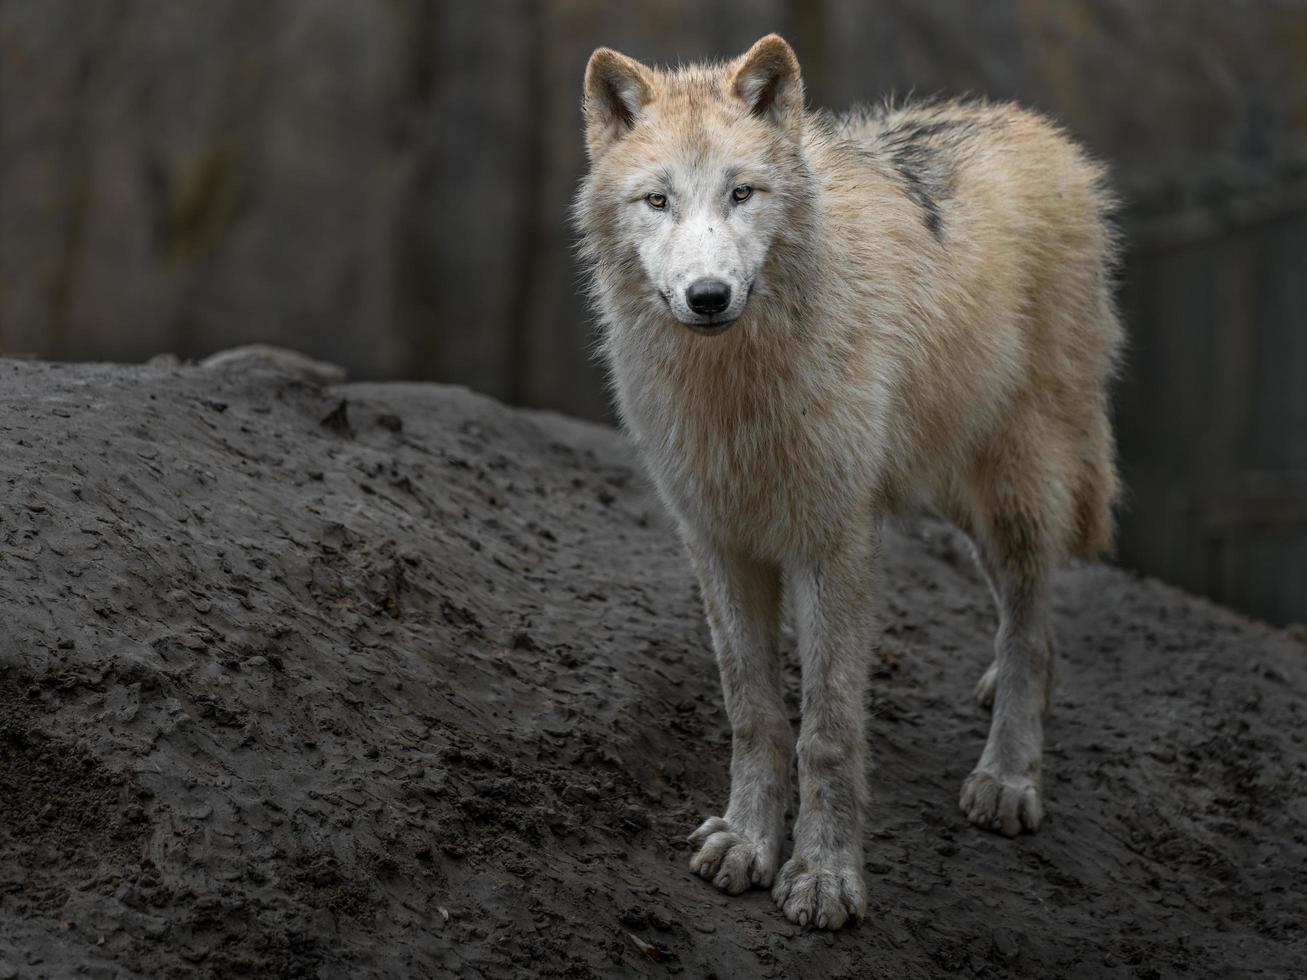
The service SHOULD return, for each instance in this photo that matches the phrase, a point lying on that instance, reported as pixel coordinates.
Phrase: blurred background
(385, 184)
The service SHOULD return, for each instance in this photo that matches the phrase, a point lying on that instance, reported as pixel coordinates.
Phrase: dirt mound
(391, 680)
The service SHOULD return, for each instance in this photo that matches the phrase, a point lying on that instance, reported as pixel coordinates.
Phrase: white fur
(702, 233)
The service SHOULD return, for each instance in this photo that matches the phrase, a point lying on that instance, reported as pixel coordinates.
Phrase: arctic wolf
(813, 322)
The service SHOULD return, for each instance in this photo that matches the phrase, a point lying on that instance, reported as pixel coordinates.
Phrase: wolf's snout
(708, 296)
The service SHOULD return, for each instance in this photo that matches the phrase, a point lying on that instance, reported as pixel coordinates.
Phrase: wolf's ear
(616, 89)
(767, 79)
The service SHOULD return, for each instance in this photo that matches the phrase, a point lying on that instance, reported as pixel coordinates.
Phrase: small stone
(634, 816)
(634, 917)
(1008, 943)
(154, 928)
(337, 420)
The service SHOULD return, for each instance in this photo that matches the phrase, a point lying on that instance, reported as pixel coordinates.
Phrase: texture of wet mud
(391, 680)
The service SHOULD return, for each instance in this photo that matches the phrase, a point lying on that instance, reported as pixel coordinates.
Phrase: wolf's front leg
(742, 599)
(821, 884)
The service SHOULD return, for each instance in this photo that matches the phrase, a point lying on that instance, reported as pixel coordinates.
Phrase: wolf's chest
(766, 445)
(771, 480)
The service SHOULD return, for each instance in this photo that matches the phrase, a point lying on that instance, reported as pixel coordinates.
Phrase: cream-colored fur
(920, 311)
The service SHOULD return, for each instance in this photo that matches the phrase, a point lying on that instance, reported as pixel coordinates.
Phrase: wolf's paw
(824, 897)
(730, 859)
(986, 686)
(1007, 804)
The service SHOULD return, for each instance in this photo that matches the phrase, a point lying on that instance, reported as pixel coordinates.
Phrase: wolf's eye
(656, 201)
(741, 193)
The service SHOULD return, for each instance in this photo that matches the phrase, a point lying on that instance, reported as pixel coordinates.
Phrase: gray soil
(391, 680)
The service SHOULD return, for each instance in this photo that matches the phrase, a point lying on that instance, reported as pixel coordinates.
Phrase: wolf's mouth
(712, 327)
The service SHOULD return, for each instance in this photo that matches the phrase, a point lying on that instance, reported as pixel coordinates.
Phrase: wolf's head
(694, 172)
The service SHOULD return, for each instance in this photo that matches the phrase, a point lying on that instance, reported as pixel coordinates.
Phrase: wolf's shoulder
(950, 126)
(940, 151)
(930, 142)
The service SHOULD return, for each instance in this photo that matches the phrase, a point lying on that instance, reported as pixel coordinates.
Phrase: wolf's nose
(708, 296)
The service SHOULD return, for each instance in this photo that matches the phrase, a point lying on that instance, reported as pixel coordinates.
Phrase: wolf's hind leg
(743, 602)
(988, 683)
(989, 679)
(1004, 791)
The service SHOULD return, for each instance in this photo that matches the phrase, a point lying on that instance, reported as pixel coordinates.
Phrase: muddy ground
(391, 680)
